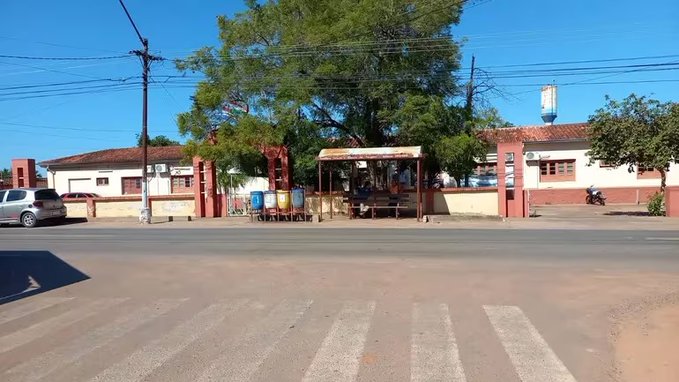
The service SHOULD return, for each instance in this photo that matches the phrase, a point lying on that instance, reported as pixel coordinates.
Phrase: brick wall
(614, 195)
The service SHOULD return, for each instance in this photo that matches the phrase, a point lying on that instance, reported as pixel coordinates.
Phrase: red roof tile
(537, 133)
(125, 155)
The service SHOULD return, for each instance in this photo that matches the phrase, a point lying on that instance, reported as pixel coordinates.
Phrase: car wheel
(29, 220)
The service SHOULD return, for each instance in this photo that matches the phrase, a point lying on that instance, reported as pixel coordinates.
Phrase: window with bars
(557, 170)
(182, 184)
(102, 181)
(131, 185)
(645, 172)
(486, 169)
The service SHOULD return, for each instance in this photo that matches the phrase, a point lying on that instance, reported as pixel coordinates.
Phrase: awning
(371, 153)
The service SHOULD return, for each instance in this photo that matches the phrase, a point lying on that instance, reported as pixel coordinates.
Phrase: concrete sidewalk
(600, 222)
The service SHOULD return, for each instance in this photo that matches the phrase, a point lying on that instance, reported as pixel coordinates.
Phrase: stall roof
(371, 153)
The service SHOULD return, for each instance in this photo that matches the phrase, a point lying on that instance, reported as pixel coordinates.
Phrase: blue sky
(497, 32)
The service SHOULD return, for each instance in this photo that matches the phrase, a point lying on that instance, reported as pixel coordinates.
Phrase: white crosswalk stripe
(240, 362)
(29, 308)
(250, 348)
(338, 357)
(434, 352)
(56, 323)
(530, 354)
(145, 360)
(40, 366)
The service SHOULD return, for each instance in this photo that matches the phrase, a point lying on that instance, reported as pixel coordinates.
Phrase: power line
(65, 83)
(110, 90)
(66, 58)
(49, 70)
(44, 91)
(58, 45)
(90, 129)
(582, 61)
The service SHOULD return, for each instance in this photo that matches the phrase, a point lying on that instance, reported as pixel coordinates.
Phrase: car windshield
(46, 195)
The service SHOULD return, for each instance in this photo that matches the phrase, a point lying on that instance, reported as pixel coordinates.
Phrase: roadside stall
(382, 190)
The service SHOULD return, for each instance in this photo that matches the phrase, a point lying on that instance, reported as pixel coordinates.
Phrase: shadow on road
(26, 273)
(627, 213)
(49, 223)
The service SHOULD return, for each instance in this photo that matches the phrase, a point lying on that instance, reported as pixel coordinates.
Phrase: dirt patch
(646, 346)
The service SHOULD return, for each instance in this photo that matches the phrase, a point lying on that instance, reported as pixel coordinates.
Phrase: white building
(118, 172)
(556, 169)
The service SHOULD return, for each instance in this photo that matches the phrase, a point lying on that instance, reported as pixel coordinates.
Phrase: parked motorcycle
(595, 196)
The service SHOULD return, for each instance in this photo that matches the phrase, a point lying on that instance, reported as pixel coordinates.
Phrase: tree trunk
(663, 180)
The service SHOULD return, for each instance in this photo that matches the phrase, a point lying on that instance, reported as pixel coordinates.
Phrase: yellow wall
(117, 209)
(76, 210)
(475, 202)
(173, 207)
(311, 204)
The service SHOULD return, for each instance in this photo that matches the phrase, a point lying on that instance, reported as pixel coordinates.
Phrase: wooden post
(419, 190)
(330, 191)
(320, 191)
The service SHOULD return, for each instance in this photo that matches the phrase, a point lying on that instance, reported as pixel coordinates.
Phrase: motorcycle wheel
(588, 199)
(602, 202)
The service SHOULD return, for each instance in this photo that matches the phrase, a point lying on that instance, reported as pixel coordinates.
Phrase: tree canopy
(316, 73)
(5, 173)
(636, 132)
(157, 141)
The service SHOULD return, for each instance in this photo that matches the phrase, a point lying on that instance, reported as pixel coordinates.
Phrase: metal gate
(238, 204)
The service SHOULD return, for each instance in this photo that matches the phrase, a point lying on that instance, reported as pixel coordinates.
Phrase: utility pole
(469, 108)
(470, 92)
(146, 58)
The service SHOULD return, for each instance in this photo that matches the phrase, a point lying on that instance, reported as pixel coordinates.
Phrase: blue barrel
(297, 198)
(257, 200)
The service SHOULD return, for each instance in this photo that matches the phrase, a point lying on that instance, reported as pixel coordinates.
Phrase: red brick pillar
(210, 190)
(285, 169)
(429, 201)
(672, 202)
(510, 207)
(91, 208)
(23, 173)
(274, 154)
(271, 161)
(199, 186)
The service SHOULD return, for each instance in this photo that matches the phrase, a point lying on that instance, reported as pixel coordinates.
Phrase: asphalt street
(318, 304)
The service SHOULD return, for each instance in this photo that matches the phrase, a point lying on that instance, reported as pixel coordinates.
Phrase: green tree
(636, 132)
(459, 154)
(6, 173)
(317, 72)
(157, 141)
(490, 118)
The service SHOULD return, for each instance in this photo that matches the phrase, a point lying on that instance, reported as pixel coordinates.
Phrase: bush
(656, 204)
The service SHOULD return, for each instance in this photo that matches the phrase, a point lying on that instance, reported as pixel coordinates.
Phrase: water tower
(548, 103)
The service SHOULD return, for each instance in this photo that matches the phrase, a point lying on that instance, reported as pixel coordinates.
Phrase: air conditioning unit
(149, 169)
(161, 168)
(532, 155)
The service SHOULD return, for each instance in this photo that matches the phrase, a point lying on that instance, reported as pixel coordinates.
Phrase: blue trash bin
(257, 200)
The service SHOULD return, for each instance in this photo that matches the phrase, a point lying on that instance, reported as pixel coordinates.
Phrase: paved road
(324, 305)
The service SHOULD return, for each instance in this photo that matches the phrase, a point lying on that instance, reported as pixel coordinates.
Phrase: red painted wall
(614, 195)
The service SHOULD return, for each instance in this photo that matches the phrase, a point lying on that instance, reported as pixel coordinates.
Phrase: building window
(486, 169)
(557, 170)
(131, 186)
(182, 184)
(648, 173)
(102, 181)
(604, 164)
